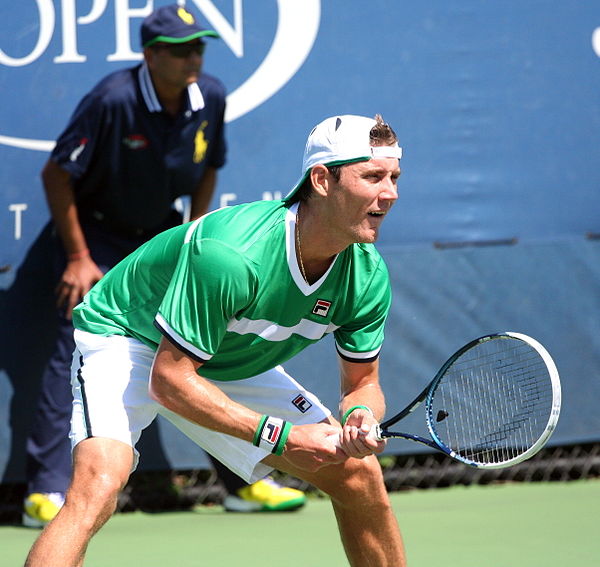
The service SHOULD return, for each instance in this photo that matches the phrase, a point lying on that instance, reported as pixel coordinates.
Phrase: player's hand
(310, 447)
(77, 279)
(357, 437)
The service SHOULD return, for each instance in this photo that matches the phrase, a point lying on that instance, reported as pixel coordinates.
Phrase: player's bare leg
(101, 468)
(366, 521)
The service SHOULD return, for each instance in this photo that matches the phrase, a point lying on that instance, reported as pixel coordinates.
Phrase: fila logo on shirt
(321, 307)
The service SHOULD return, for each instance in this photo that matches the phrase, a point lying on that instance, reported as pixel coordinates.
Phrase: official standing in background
(139, 140)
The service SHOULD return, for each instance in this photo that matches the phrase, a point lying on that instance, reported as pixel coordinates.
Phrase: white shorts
(110, 378)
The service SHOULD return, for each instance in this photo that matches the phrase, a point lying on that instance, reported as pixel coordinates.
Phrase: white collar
(151, 98)
(291, 219)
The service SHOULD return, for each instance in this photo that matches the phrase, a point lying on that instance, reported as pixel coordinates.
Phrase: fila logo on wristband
(271, 434)
(272, 431)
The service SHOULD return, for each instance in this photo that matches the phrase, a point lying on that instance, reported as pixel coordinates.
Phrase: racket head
(495, 402)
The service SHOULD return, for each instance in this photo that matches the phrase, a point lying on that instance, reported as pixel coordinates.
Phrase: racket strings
(493, 402)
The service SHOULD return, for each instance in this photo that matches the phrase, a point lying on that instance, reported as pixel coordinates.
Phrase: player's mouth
(377, 213)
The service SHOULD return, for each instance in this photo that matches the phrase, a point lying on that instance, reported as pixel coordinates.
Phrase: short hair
(381, 134)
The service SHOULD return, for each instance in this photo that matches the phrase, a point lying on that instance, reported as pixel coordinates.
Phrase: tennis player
(195, 324)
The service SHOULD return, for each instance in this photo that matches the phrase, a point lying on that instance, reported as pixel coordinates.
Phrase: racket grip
(375, 433)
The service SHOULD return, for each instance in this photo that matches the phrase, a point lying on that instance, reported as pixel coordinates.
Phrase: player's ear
(320, 179)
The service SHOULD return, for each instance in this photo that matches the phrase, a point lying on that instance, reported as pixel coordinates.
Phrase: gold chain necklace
(298, 247)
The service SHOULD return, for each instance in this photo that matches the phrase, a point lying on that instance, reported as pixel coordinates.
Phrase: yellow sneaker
(40, 508)
(265, 496)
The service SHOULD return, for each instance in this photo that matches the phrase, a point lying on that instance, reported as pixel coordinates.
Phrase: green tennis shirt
(227, 290)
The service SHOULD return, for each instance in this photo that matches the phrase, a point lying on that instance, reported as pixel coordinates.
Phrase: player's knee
(94, 490)
(101, 470)
(356, 478)
(93, 502)
(364, 474)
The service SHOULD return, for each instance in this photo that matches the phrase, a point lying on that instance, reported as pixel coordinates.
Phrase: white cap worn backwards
(338, 140)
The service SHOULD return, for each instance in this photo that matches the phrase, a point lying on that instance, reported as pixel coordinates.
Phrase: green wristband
(348, 412)
(272, 434)
(261, 424)
(287, 427)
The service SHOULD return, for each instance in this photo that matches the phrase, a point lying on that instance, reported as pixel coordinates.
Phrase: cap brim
(197, 35)
(329, 164)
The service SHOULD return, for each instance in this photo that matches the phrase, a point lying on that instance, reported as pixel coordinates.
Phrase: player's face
(176, 65)
(363, 196)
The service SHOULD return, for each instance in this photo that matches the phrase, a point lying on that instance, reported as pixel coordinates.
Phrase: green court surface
(506, 525)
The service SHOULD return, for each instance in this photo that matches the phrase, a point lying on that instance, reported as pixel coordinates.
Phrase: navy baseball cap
(172, 24)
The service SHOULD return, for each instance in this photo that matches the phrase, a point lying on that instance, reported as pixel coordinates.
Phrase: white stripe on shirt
(272, 332)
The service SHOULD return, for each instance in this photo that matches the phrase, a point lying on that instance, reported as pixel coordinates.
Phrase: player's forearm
(360, 387)
(369, 395)
(203, 403)
(176, 385)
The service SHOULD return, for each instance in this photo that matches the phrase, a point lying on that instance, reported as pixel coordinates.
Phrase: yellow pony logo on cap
(185, 16)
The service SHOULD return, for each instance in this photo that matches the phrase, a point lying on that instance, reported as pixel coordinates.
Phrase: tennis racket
(494, 403)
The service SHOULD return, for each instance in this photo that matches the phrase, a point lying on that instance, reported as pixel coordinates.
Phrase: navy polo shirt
(129, 160)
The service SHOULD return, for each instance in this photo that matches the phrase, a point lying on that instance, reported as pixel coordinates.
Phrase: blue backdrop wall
(497, 106)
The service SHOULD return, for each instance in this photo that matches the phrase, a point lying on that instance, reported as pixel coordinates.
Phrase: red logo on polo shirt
(136, 142)
(77, 151)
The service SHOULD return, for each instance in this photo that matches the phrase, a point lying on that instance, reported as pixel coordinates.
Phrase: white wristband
(272, 434)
